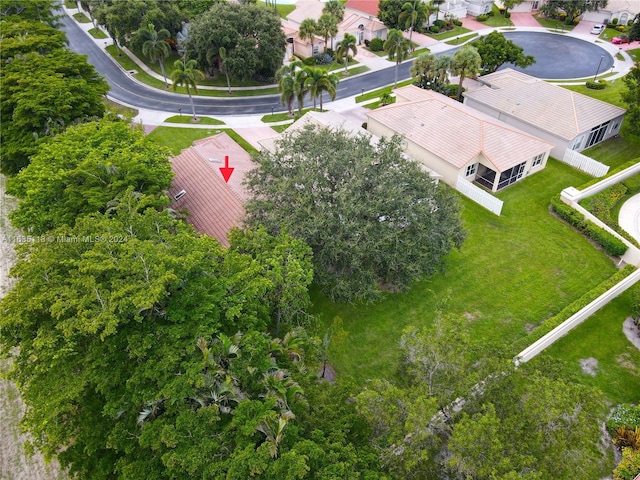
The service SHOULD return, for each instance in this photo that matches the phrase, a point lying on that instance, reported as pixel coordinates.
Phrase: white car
(597, 29)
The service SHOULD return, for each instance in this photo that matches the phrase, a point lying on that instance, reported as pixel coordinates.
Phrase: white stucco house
(564, 118)
(455, 140)
(478, 7)
(623, 10)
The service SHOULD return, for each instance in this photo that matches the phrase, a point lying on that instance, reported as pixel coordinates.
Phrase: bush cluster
(324, 59)
(376, 44)
(611, 244)
(599, 85)
(625, 415)
(573, 308)
(602, 203)
(482, 18)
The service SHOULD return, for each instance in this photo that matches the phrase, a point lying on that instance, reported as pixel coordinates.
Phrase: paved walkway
(246, 124)
(629, 217)
(524, 19)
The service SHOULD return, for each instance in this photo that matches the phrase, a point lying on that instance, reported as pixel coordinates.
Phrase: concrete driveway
(524, 19)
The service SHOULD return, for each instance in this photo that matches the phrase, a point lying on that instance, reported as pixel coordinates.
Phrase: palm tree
(289, 77)
(347, 44)
(155, 47)
(411, 11)
(186, 74)
(319, 80)
(222, 52)
(300, 86)
(307, 31)
(327, 27)
(466, 62)
(398, 48)
(335, 8)
(273, 428)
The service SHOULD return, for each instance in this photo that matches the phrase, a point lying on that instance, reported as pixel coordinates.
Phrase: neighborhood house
(458, 141)
(575, 122)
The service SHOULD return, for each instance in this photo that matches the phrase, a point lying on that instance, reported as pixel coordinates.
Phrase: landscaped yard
(553, 23)
(178, 139)
(610, 94)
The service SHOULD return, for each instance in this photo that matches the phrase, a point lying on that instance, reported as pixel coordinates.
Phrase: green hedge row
(574, 307)
(612, 245)
(595, 85)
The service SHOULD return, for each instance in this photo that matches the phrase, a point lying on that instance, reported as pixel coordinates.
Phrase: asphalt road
(126, 90)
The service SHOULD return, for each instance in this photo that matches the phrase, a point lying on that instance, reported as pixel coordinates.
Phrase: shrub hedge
(612, 245)
(571, 309)
(595, 85)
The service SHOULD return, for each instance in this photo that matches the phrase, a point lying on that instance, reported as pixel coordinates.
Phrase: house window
(537, 160)
(471, 170)
(597, 134)
(577, 142)
(614, 126)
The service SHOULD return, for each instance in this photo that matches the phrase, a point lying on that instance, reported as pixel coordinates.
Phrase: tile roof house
(361, 24)
(575, 121)
(213, 205)
(458, 141)
(623, 10)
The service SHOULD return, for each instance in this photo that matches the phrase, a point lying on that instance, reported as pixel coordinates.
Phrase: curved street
(126, 90)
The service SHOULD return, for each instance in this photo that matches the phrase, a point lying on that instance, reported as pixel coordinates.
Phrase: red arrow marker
(226, 170)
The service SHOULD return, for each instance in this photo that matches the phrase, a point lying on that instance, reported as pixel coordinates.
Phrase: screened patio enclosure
(495, 182)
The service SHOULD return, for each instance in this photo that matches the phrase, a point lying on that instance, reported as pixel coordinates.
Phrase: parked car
(597, 29)
(620, 39)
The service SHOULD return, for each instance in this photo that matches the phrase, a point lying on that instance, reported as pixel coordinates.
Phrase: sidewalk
(373, 62)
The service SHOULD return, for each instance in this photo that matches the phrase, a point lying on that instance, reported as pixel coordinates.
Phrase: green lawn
(283, 10)
(608, 34)
(634, 54)
(353, 71)
(381, 91)
(618, 373)
(186, 118)
(497, 20)
(119, 109)
(178, 139)
(97, 33)
(512, 272)
(611, 94)
(81, 18)
(462, 39)
(552, 23)
(616, 151)
(128, 64)
(454, 32)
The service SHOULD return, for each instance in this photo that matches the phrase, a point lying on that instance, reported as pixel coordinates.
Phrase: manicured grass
(380, 53)
(615, 151)
(459, 40)
(454, 32)
(634, 54)
(611, 94)
(280, 128)
(120, 109)
(128, 64)
(601, 337)
(70, 4)
(81, 18)
(353, 71)
(552, 23)
(497, 20)
(97, 33)
(189, 120)
(178, 139)
(381, 91)
(374, 105)
(283, 10)
(513, 272)
(608, 34)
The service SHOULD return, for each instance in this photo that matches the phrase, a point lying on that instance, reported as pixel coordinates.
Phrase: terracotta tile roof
(366, 6)
(528, 99)
(456, 132)
(214, 206)
(306, 9)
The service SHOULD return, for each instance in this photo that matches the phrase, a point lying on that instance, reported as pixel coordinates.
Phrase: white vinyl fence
(576, 319)
(584, 163)
(479, 196)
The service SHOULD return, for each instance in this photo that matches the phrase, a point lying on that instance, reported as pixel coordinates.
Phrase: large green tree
(414, 13)
(495, 50)
(634, 31)
(327, 27)
(44, 11)
(20, 36)
(431, 72)
(42, 95)
(251, 36)
(389, 12)
(308, 30)
(128, 357)
(373, 219)
(82, 170)
(346, 45)
(573, 8)
(631, 96)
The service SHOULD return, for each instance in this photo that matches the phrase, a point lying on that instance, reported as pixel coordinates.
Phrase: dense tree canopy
(20, 36)
(251, 36)
(82, 170)
(44, 11)
(131, 366)
(631, 95)
(389, 12)
(373, 219)
(42, 95)
(495, 50)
